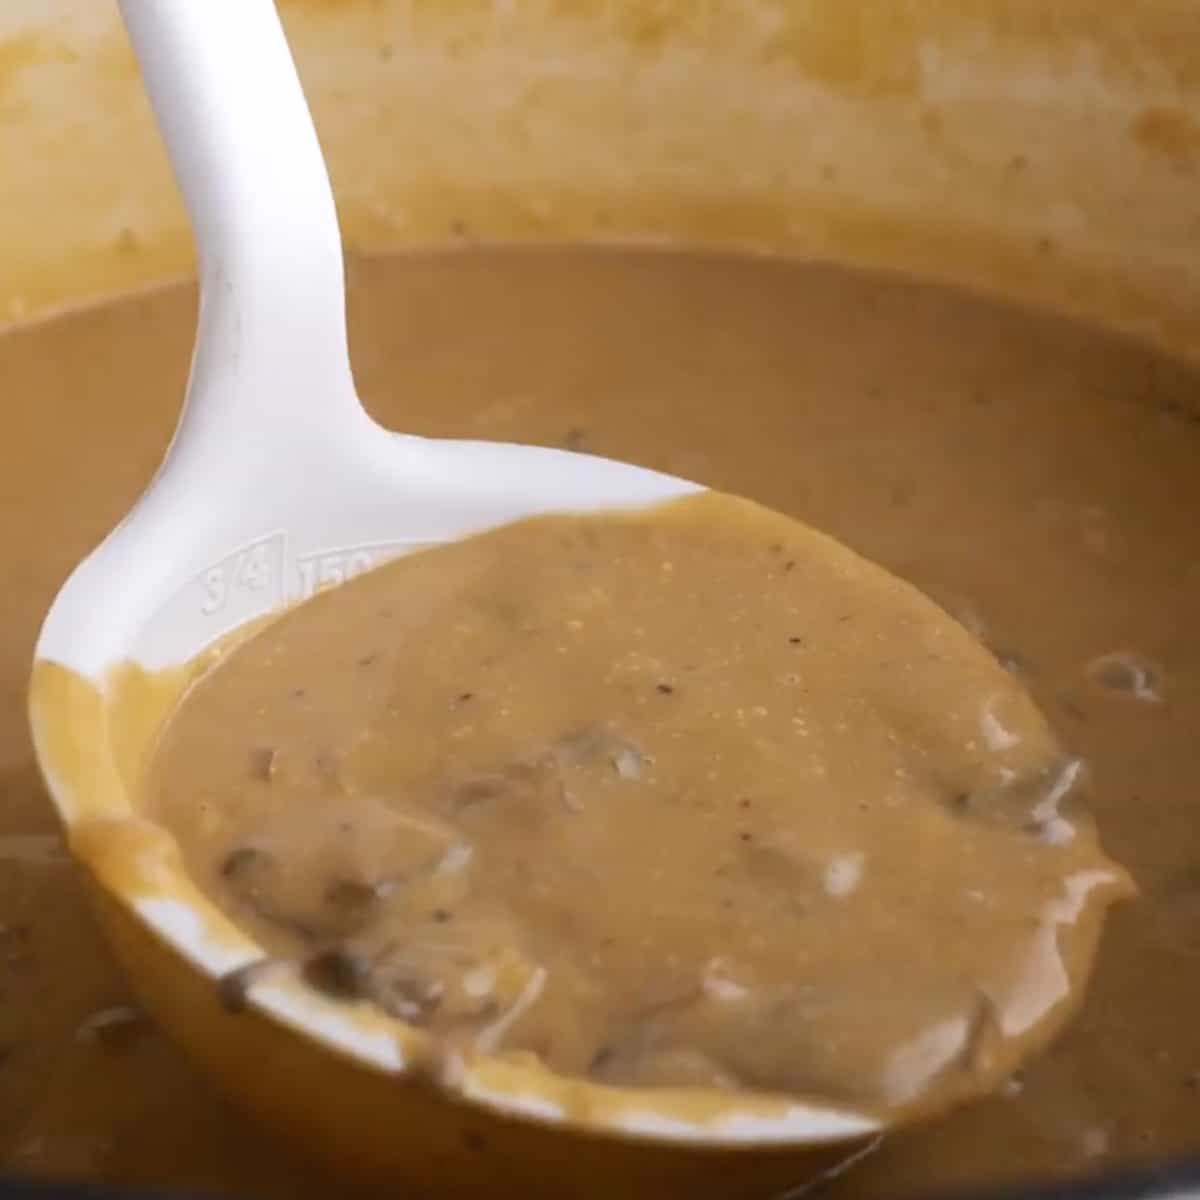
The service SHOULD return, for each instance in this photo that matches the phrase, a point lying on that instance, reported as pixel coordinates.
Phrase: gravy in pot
(1035, 478)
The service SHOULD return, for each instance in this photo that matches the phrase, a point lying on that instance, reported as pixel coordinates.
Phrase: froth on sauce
(689, 797)
(1036, 478)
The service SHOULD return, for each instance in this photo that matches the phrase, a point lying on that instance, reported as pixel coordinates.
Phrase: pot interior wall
(1044, 151)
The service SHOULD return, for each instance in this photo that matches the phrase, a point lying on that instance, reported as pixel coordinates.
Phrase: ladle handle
(245, 153)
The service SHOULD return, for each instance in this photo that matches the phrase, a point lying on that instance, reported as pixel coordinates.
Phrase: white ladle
(277, 482)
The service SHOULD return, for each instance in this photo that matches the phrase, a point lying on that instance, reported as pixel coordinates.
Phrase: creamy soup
(1037, 479)
(692, 797)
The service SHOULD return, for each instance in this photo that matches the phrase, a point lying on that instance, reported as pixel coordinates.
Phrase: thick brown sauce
(692, 797)
(1038, 479)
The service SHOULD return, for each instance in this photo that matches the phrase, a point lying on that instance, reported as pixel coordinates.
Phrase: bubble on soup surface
(1126, 673)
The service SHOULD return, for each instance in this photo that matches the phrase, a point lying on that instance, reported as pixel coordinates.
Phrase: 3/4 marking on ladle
(251, 569)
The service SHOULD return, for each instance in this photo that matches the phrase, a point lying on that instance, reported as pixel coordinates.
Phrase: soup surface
(687, 797)
(1036, 478)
